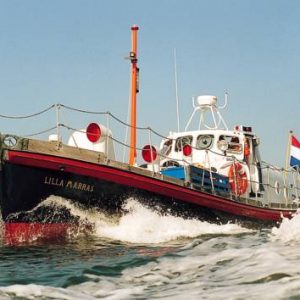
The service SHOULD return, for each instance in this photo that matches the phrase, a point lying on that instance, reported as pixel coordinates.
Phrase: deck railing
(285, 185)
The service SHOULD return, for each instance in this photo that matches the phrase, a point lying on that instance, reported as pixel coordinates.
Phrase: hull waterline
(30, 178)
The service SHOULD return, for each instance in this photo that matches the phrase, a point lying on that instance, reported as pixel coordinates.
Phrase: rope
(264, 165)
(111, 115)
(84, 111)
(41, 132)
(28, 116)
(126, 124)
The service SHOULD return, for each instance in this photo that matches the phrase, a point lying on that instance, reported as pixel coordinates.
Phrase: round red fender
(238, 179)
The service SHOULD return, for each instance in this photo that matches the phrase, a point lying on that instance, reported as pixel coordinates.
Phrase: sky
(72, 52)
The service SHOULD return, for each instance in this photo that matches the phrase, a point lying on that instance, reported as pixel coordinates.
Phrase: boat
(207, 171)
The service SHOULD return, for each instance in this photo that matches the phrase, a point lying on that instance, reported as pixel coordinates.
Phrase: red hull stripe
(127, 178)
(16, 233)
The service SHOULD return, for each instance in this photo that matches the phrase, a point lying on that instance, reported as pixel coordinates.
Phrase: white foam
(142, 225)
(34, 291)
(288, 231)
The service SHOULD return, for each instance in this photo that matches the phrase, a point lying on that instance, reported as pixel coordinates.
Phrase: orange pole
(134, 91)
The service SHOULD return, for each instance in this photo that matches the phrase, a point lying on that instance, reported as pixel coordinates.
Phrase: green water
(147, 256)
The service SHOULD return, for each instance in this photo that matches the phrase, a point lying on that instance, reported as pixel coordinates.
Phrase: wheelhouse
(205, 147)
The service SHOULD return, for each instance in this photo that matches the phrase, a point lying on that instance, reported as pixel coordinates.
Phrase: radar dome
(207, 100)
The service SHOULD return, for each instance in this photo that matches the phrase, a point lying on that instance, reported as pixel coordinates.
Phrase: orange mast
(134, 91)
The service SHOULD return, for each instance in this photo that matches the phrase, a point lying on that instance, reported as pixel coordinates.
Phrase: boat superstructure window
(233, 142)
(182, 141)
(167, 147)
(204, 141)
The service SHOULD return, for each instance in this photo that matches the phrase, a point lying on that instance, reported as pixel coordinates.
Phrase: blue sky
(73, 52)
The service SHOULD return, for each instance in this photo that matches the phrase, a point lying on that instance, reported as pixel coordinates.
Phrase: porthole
(10, 141)
(277, 187)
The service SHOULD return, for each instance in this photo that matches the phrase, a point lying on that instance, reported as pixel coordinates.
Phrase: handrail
(40, 132)
(267, 165)
(291, 183)
(28, 116)
(186, 163)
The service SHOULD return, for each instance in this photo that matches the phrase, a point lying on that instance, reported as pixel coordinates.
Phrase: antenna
(176, 90)
(225, 100)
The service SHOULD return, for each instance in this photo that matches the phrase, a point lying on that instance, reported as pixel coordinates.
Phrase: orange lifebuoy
(238, 179)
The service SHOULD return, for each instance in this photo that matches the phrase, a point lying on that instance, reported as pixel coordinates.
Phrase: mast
(134, 91)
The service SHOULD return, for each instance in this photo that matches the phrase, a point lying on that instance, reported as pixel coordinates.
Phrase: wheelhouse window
(167, 147)
(233, 142)
(182, 141)
(204, 141)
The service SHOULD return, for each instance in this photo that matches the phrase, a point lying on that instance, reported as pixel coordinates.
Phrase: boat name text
(69, 184)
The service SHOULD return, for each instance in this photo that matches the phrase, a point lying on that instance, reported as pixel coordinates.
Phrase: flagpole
(288, 150)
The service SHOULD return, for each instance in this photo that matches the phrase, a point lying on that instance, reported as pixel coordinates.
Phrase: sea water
(143, 255)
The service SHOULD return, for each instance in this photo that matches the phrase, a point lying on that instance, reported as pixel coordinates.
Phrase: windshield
(233, 143)
(204, 141)
(166, 149)
(182, 141)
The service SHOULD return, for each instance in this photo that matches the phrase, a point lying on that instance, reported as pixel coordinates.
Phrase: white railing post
(57, 109)
(269, 184)
(151, 153)
(210, 175)
(285, 189)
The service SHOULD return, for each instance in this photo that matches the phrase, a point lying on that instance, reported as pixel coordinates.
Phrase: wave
(138, 224)
(34, 291)
(143, 225)
(288, 230)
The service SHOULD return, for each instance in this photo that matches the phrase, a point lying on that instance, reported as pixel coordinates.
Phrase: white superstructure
(233, 153)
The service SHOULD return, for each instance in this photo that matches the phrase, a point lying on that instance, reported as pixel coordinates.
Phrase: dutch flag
(295, 153)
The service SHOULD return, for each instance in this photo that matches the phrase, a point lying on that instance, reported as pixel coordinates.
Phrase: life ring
(238, 179)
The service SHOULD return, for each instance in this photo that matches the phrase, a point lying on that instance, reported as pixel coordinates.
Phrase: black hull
(23, 188)
(22, 194)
